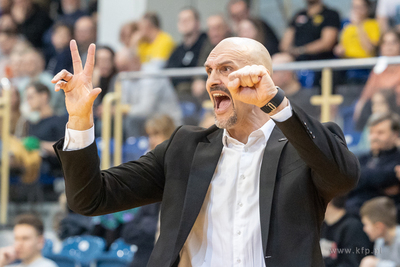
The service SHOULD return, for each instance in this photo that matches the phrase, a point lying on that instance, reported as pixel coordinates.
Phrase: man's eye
(225, 69)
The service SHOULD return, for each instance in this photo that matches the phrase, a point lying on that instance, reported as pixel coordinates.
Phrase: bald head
(248, 50)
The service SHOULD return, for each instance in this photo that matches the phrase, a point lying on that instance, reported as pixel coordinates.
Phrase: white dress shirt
(227, 231)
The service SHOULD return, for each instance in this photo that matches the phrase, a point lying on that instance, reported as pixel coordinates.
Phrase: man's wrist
(274, 102)
(283, 105)
(79, 123)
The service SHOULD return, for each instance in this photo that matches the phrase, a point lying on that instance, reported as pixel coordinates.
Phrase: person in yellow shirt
(360, 38)
(153, 45)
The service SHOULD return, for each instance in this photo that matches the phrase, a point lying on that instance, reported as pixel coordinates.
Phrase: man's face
(85, 31)
(390, 46)
(221, 62)
(217, 29)
(382, 137)
(28, 243)
(373, 230)
(34, 99)
(187, 23)
(238, 11)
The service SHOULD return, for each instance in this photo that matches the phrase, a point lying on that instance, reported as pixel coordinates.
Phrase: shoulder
(165, 37)
(43, 262)
(330, 12)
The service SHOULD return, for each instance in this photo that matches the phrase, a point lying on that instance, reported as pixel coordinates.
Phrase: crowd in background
(34, 46)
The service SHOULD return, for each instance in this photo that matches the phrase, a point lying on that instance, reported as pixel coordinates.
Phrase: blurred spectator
(126, 33)
(378, 176)
(141, 231)
(154, 45)
(251, 28)
(5, 7)
(217, 30)
(383, 76)
(28, 244)
(146, 96)
(342, 231)
(44, 128)
(85, 34)
(159, 128)
(238, 11)
(388, 14)
(109, 226)
(312, 33)
(187, 53)
(379, 218)
(71, 11)
(8, 40)
(61, 59)
(7, 23)
(33, 69)
(31, 19)
(104, 75)
(288, 81)
(360, 37)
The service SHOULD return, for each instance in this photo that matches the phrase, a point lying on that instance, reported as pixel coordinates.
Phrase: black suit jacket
(305, 164)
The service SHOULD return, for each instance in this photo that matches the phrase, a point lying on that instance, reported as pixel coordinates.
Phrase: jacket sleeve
(93, 192)
(334, 169)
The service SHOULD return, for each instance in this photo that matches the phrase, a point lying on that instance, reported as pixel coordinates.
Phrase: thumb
(94, 93)
(233, 85)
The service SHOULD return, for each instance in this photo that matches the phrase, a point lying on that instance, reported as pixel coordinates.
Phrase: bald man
(249, 191)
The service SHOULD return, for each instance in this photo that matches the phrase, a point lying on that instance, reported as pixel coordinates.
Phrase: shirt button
(246, 149)
(239, 233)
(240, 204)
(242, 177)
(238, 261)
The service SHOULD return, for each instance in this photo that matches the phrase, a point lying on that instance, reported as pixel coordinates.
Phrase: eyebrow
(228, 62)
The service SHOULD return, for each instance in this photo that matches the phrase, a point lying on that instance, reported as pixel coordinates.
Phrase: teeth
(218, 95)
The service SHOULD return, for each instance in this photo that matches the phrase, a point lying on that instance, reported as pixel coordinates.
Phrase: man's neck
(246, 126)
(31, 259)
(333, 215)
(314, 9)
(190, 39)
(390, 235)
(45, 112)
(292, 87)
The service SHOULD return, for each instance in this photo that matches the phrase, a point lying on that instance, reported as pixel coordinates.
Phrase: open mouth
(221, 102)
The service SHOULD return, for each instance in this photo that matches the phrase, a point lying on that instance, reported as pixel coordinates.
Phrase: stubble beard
(228, 123)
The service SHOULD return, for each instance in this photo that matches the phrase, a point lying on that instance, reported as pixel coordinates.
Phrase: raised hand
(78, 88)
(252, 85)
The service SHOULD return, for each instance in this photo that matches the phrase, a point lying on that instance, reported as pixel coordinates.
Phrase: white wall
(112, 15)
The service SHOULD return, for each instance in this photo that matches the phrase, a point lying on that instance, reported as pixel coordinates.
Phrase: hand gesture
(252, 85)
(78, 88)
(7, 255)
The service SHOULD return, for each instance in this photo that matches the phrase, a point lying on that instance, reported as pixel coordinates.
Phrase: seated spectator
(387, 14)
(342, 232)
(187, 53)
(312, 33)
(71, 12)
(8, 40)
(28, 244)
(5, 7)
(383, 76)
(154, 45)
(61, 58)
(141, 231)
(378, 176)
(43, 127)
(217, 30)
(144, 97)
(126, 32)
(33, 67)
(251, 28)
(379, 218)
(85, 32)
(288, 81)
(240, 10)
(31, 19)
(359, 38)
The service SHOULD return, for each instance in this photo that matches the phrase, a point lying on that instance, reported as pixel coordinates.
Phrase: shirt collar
(261, 134)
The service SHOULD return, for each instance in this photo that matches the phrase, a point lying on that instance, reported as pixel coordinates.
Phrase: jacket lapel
(269, 167)
(205, 161)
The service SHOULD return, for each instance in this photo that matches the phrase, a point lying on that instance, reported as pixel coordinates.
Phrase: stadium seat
(119, 255)
(134, 148)
(83, 249)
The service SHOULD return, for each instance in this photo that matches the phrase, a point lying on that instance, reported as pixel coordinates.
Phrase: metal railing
(5, 114)
(325, 100)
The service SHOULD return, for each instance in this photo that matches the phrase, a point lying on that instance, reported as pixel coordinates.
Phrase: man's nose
(213, 79)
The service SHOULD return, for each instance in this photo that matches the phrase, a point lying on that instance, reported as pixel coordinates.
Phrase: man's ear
(380, 226)
(41, 242)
